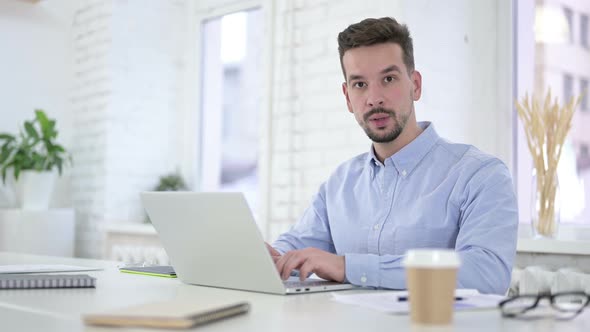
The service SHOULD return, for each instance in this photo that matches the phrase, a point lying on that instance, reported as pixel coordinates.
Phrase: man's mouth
(379, 120)
(378, 117)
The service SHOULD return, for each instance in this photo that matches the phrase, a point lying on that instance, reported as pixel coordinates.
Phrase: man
(413, 189)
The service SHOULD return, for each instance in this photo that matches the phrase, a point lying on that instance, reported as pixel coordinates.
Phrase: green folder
(165, 271)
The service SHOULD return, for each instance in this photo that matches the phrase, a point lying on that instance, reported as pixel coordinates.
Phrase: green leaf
(42, 118)
(47, 125)
(7, 147)
(7, 137)
(31, 131)
(51, 129)
(59, 148)
(4, 155)
(11, 156)
(38, 162)
(33, 147)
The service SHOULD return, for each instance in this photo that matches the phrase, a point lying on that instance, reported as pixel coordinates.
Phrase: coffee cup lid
(431, 258)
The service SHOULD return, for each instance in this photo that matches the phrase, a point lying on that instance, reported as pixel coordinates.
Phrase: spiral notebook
(31, 281)
(177, 314)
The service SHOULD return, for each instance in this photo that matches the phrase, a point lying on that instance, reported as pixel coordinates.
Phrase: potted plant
(33, 156)
(171, 182)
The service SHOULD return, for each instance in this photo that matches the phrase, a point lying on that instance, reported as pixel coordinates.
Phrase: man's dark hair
(373, 31)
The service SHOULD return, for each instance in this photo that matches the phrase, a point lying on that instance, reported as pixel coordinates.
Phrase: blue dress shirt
(430, 194)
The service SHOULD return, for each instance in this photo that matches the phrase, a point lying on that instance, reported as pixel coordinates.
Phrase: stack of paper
(25, 268)
(395, 301)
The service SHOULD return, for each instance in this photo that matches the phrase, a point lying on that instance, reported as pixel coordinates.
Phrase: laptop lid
(212, 240)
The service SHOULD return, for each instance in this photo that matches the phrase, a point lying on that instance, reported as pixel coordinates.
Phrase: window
(583, 160)
(569, 16)
(542, 63)
(584, 150)
(230, 103)
(584, 92)
(584, 31)
(568, 86)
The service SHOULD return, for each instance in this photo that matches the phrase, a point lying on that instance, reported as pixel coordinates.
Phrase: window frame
(569, 15)
(584, 31)
(584, 90)
(524, 46)
(189, 138)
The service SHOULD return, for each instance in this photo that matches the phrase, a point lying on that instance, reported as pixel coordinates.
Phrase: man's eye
(389, 79)
(360, 84)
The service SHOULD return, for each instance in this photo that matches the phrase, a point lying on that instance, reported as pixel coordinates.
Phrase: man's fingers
(273, 252)
(310, 260)
(281, 263)
(305, 269)
(292, 262)
(283, 266)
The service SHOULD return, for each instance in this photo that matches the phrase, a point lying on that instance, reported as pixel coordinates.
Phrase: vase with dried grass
(546, 126)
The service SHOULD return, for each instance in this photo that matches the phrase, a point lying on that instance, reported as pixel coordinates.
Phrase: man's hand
(273, 252)
(311, 260)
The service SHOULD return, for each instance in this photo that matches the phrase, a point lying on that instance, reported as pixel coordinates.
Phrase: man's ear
(345, 92)
(417, 85)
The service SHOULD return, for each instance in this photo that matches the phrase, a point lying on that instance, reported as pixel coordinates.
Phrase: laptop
(212, 240)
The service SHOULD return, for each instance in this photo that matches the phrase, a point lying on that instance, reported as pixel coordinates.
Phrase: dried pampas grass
(546, 126)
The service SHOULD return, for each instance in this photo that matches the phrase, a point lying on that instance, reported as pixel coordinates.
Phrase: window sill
(571, 240)
(129, 228)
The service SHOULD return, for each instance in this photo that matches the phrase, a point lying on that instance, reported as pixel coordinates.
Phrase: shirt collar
(406, 159)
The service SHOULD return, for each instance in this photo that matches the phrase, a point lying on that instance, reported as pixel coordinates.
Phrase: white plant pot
(34, 189)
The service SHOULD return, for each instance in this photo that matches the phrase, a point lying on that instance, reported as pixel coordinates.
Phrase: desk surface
(61, 309)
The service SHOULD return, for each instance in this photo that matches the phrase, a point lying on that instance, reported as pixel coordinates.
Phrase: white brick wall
(313, 131)
(126, 111)
(128, 62)
(35, 66)
(323, 132)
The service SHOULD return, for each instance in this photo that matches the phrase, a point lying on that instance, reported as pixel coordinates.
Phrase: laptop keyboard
(306, 283)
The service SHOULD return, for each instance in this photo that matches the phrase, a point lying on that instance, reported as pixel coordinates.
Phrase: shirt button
(363, 279)
(404, 172)
(376, 227)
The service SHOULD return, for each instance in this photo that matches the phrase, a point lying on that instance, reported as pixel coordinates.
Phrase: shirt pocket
(416, 237)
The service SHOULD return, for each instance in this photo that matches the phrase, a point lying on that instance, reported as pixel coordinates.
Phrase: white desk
(61, 309)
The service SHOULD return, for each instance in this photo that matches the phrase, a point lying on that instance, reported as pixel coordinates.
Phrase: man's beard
(398, 125)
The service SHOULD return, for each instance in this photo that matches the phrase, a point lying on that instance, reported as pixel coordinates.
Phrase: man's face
(379, 90)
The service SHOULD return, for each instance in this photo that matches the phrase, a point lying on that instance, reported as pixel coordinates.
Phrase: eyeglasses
(566, 305)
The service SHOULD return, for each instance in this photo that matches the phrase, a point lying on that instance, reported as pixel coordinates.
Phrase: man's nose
(375, 98)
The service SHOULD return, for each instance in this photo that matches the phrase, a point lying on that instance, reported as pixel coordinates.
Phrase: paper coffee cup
(431, 277)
